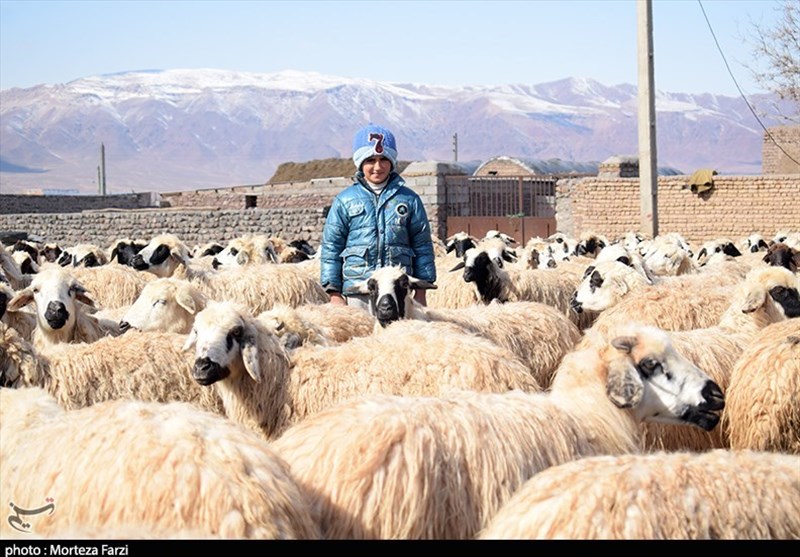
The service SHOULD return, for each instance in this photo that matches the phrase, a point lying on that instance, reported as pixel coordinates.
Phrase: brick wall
(736, 207)
(503, 166)
(775, 155)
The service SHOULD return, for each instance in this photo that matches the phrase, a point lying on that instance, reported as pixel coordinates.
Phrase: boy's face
(376, 169)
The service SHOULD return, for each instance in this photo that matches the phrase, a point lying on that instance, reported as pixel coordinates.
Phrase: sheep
(83, 255)
(791, 239)
(768, 295)
(247, 250)
(492, 280)
(123, 250)
(10, 269)
(538, 334)
(720, 494)
(322, 324)
(753, 243)
(149, 366)
(781, 255)
(394, 467)
(620, 293)
(563, 245)
(266, 388)
(669, 255)
(50, 252)
(17, 357)
(121, 463)
(259, 287)
(165, 304)
(720, 245)
(590, 244)
(60, 318)
(205, 250)
(763, 410)
(112, 285)
(23, 321)
(26, 263)
(460, 242)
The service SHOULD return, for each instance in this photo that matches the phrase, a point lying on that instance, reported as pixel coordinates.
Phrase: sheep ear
(359, 288)
(191, 339)
(624, 386)
(184, 299)
(291, 341)
(459, 265)
(20, 300)
(270, 250)
(419, 284)
(242, 258)
(82, 296)
(624, 344)
(754, 300)
(250, 352)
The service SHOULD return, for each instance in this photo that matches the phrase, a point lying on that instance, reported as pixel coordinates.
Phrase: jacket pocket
(402, 256)
(355, 262)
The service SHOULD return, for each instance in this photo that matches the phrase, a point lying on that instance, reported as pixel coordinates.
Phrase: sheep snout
(207, 372)
(56, 315)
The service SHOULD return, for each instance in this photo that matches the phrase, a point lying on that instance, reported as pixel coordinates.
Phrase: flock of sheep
(568, 388)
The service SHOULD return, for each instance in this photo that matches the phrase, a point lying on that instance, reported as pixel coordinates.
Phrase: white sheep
(83, 255)
(60, 317)
(400, 467)
(763, 398)
(619, 293)
(10, 270)
(258, 287)
(112, 285)
(538, 334)
(322, 324)
(165, 304)
(267, 388)
(251, 249)
(768, 295)
(22, 320)
(123, 250)
(167, 466)
(149, 366)
(717, 495)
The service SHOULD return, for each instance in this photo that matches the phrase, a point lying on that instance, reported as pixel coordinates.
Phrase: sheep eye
(649, 367)
(234, 251)
(372, 285)
(160, 302)
(36, 290)
(237, 332)
(403, 283)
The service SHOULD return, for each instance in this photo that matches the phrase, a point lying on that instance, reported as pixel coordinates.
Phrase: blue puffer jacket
(364, 232)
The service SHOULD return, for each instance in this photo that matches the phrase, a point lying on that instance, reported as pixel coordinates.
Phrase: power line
(740, 89)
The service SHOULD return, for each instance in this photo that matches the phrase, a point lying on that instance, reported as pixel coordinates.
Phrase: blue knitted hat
(372, 140)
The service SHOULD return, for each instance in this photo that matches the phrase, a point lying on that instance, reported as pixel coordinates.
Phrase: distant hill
(325, 168)
(186, 129)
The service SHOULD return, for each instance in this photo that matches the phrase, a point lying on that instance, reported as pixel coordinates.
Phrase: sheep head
(161, 256)
(645, 374)
(165, 304)
(56, 294)
(390, 293)
(225, 339)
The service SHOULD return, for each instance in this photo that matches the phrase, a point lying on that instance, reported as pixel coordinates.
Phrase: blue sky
(435, 42)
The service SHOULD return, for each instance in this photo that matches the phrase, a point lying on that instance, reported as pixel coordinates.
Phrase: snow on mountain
(181, 129)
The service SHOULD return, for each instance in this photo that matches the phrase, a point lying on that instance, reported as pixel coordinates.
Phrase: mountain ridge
(171, 130)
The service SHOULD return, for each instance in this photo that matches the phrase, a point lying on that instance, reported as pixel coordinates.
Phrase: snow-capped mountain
(184, 129)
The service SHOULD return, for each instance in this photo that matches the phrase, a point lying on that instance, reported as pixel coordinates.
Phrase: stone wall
(736, 207)
(294, 210)
(777, 155)
(74, 203)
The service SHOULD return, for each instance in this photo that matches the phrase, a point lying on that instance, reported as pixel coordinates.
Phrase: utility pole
(101, 176)
(455, 147)
(648, 168)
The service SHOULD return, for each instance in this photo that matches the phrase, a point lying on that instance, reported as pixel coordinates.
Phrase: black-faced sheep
(403, 467)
